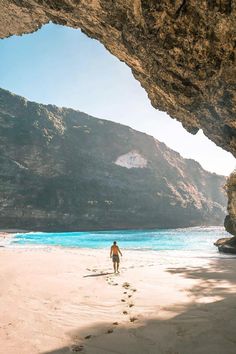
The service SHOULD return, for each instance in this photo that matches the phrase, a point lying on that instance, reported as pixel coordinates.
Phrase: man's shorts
(115, 258)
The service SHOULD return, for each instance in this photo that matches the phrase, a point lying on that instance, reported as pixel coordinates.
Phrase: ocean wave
(198, 239)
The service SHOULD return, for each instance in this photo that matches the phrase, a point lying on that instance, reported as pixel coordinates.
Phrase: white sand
(181, 305)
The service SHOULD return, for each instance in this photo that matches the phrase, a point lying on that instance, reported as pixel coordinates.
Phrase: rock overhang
(182, 52)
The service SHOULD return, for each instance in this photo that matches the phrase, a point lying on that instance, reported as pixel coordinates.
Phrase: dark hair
(114, 243)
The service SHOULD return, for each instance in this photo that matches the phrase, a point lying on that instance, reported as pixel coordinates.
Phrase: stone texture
(182, 52)
(228, 245)
(59, 171)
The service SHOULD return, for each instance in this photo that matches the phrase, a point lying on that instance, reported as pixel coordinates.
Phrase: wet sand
(58, 301)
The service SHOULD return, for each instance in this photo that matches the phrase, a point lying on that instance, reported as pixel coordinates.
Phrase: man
(114, 254)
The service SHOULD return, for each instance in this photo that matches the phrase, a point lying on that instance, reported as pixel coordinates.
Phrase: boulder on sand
(226, 245)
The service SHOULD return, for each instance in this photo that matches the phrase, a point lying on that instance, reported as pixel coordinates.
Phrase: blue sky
(62, 66)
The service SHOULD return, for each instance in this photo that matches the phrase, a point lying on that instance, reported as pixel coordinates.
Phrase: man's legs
(117, 267)
(114, 266)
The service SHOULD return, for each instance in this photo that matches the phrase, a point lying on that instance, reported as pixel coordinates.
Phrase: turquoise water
(192, 239)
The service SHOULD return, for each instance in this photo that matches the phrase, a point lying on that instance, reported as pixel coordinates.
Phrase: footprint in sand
(133, 319)
(115, 323)
(110, 331)
(130, 304)
(126, 285)
(111, 282)
(77, 348)
(88, 336)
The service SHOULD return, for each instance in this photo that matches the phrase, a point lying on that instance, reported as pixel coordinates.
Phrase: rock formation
(65, 170)
(228, 245)
(182, 52)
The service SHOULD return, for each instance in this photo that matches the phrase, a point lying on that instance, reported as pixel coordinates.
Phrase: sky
(62, 66)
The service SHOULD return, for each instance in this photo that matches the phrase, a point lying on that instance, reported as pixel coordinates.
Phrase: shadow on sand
(97, 275)
(206, 325)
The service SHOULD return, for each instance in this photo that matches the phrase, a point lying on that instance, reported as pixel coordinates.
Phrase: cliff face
(228, 245)
(230, 220)
(65, 170)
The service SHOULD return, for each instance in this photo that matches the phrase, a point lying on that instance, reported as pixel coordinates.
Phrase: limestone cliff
(65, 170)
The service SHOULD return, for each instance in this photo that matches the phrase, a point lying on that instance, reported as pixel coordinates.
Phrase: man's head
(114, 243)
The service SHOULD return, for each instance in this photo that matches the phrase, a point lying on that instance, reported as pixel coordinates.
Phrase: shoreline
(10, 231)
(208, 250)
(63, 300)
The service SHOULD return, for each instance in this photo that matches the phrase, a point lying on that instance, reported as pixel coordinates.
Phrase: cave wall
(182, 52)
(230, 220)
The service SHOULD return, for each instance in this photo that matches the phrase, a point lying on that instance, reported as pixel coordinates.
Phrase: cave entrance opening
(62, 66)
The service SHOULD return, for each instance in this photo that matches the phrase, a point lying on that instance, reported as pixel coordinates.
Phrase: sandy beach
(58, 301)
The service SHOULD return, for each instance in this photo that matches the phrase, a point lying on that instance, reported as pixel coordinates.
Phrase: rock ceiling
(182, 52)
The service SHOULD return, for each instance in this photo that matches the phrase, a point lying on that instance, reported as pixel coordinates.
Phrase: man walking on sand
(114, 254)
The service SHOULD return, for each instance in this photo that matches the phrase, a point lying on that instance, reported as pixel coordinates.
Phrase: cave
(182, 53)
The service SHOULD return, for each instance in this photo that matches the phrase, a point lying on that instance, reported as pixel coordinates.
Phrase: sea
(196, 239)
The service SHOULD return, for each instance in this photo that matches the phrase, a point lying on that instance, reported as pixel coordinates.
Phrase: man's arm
(111, 252)
(119, 251)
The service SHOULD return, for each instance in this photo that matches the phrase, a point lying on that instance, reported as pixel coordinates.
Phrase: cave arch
(182, 52)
